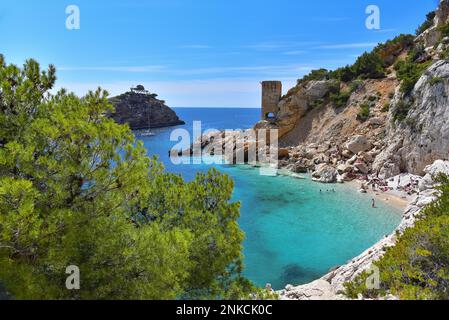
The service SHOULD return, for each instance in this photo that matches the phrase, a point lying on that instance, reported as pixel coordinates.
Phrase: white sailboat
(147, 132)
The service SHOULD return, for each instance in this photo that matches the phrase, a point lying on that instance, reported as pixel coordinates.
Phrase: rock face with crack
(423, 136)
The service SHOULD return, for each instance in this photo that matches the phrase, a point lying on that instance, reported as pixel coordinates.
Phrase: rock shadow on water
(278, 197)
(296, 275)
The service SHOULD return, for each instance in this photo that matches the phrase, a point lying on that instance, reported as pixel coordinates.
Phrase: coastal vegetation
(417, 267)
(370, 65)
(426, 24)
(409, 71)
(384, 59)
(340, 99)
(77, 189)
(364, 112)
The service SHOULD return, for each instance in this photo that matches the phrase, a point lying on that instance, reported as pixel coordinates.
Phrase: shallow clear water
(294, 232)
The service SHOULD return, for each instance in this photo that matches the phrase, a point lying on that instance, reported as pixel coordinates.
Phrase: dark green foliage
(426, 24)
(318, 75)
(340, 99)
(355, 85)
(409, 72)
(77, 189)
(418, 266)
(369, 66)
(317, 103)
(372, 65)
(364, 113)
(444, 30)
(344, 74)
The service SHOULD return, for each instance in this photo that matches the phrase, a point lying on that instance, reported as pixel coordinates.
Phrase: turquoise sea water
(294, 232)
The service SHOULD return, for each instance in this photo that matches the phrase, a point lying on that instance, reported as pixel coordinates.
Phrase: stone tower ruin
(271, 95)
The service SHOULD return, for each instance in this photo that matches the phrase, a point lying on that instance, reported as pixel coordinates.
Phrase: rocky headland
(142, 110)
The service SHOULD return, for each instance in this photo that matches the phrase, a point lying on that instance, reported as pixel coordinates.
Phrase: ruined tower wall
(271, 95)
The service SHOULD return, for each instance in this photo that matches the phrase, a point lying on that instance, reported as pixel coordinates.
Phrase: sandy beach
(398, 198)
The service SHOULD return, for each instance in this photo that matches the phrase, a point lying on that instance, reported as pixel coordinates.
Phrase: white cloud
(274, 70)
(348, 46)
(195, 46)
(128, 69)
(237, 92)
(279, 45)
(264, 69)
(294, 52)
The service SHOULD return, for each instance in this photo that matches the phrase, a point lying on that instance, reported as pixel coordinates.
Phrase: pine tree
(77, 189)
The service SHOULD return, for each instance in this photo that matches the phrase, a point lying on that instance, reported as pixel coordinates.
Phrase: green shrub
(317, 75)
(386, 107)
(340, 99)
(364, 113)
(409, 72)
(317, 103)
(417, 267)
(372, 65)
(426, 24)
(76, 188)
(369, 66)
(355, 85)
(444, 30)
(344, 74)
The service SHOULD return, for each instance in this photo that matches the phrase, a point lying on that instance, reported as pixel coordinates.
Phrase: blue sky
(197, 53)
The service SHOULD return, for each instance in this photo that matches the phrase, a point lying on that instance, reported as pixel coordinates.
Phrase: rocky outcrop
(296, 105)
(331, 286)
(325, 173)
(423, 136)
(143, 111)
(358, 144)
(432, 171)
(432, 35)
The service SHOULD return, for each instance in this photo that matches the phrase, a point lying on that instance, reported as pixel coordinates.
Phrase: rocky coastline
(331, 285)
(370, 132)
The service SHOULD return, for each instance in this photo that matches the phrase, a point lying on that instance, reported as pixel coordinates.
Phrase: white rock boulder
(358, 144)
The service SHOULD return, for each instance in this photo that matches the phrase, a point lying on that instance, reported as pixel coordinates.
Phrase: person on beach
(373, 203)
